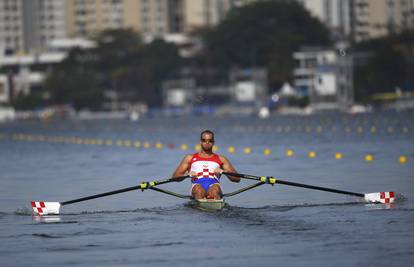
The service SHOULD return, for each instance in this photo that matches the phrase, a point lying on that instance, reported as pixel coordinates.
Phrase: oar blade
(380, 197)
(45, 208)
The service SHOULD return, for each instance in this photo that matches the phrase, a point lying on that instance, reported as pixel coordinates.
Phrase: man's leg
(214, 192)
(198, 192)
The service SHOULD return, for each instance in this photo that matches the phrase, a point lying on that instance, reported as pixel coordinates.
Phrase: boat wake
(26, 211)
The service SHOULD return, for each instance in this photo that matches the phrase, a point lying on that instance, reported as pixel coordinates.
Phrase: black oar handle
(258, 178)
(144, 185)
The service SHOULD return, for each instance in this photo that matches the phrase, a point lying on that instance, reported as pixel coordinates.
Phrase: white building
(325, 75)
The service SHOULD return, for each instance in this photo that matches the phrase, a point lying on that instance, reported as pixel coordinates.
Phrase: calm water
(267, 226)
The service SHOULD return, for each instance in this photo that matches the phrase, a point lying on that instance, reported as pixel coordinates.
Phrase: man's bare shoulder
(188, 157)
(223, 158)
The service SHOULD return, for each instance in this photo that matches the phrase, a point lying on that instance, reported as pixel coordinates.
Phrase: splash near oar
(378, 197)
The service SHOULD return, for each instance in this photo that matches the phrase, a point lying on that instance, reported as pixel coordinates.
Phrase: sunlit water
(267, 226)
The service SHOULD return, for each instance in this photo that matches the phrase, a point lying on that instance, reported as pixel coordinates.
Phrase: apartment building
(363, 19)
(27, 26)
(87, 17)
(335, 14)
(205, 13)
(11, 26)
(376, 18)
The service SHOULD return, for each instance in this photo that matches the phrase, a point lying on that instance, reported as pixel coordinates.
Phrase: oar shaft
(257, 178)
(101, 195)
(320, 188)
(123, 190)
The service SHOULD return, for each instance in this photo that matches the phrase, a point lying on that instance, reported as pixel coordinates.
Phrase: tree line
(261, 34)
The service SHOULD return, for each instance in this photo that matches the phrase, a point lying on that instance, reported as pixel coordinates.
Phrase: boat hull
(208, 204)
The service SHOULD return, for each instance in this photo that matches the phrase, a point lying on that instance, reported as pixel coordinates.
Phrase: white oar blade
(45, 208)
(380, 197)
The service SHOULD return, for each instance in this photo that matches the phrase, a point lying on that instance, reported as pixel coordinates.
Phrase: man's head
(207, 140)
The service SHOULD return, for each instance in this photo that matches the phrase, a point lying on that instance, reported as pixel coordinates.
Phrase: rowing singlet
(204, 167)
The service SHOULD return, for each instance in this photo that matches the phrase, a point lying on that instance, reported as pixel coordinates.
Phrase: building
(325, 76)
(376, 18)
(27, 26)
(335, 14)
(85, 18)
(152, 18)
(11, 26)
(204, 13)
(363, 19)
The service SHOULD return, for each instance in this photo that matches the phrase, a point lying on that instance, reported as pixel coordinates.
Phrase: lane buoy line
(137, 144)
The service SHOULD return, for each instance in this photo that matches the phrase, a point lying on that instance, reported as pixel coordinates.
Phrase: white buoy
(264, 112)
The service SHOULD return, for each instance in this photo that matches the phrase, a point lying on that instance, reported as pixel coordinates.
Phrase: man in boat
(205, 168)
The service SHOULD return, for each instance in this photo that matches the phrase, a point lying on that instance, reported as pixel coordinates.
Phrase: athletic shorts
(205, 182)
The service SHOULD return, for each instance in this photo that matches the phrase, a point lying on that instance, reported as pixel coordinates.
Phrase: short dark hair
(206, 132)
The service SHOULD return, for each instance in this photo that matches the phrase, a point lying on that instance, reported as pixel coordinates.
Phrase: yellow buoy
(267, 151)
(312, 154)
(338, 155)
(108, 142)
(147, 145)
(247, 150)
(369, 157)
(137, 144)
(215, 148)
(184, 147)
(231, 149)
(290, 153)
(127, 143)
(402, 159)
(319, 129)
(158, 145)
(197, 147)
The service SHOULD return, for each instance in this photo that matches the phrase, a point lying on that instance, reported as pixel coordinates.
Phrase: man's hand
(218, 172)
(193, 174)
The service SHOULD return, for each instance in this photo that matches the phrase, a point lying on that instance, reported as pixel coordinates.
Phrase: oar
(379, 197)
(48, 208)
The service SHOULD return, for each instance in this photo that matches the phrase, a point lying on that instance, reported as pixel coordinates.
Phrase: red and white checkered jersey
(204, 167)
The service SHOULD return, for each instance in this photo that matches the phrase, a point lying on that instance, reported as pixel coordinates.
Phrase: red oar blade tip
(45, 208)
(380, 197)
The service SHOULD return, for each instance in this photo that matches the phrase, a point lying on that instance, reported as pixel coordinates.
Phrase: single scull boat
(51, 208)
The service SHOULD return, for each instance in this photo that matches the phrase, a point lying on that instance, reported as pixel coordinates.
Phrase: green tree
(120, 62)
(265, 34)
(134, 69)
(75, 82)
(390, 65)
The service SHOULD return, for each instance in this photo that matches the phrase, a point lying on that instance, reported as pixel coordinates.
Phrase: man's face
(207, 142)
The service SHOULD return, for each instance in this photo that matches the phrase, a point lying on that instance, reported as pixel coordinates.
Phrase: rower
(205, 168)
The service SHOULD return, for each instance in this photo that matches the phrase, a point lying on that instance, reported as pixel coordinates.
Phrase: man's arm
(182, 168)
(227, 167)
